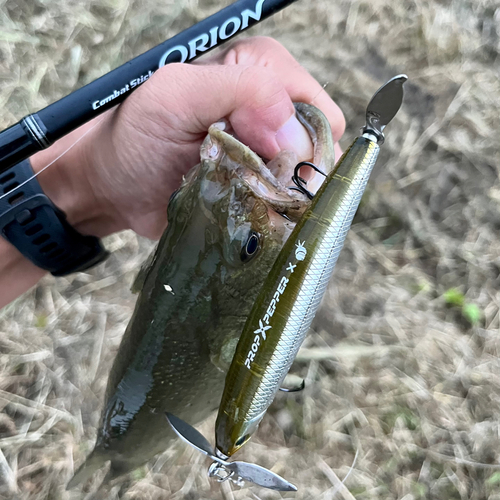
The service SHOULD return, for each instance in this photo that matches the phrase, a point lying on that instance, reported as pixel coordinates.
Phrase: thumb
(188, 99)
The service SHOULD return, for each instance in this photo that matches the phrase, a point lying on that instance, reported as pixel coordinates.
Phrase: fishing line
(323, 87)
(337, 488)
(52, 162)
(256, 496)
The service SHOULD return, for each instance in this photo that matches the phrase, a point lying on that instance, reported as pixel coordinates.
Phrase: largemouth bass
(226, 225)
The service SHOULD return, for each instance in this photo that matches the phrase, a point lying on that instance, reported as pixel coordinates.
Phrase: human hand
(122, 173)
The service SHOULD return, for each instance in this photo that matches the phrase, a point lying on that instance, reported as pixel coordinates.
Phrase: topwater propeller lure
(287, 303)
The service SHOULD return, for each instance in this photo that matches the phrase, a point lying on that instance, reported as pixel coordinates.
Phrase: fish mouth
(271, 180)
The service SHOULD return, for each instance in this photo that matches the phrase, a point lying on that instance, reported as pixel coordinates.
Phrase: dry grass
(403, 364)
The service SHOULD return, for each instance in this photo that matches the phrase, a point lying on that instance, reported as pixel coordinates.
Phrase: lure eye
(241, 441)
(251, 247)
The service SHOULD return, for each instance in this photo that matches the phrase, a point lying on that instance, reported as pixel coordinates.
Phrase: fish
(288, 300)
(227, 223)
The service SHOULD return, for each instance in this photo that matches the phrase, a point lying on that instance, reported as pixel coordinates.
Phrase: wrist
(64, 182)
(68, 183)
(17, 274)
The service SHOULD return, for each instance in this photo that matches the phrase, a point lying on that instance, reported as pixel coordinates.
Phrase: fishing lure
(290, 296)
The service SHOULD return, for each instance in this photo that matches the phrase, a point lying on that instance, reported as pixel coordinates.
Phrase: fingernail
(294, 137)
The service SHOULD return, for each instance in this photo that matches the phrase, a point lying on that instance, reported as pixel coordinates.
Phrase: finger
(300, 85)
(188, 99)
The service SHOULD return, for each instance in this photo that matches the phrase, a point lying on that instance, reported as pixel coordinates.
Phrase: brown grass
(402, 366)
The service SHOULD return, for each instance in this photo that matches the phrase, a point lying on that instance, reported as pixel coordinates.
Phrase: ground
(402, 397)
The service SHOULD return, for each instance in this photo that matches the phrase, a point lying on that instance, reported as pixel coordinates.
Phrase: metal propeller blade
(385, 103)
(261, 476)
(234, 471)
(191, 436)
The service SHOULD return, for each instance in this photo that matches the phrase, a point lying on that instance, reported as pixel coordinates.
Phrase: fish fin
(140, 279)
(94, 462)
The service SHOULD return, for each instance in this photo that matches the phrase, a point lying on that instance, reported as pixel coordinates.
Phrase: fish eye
(251, 247)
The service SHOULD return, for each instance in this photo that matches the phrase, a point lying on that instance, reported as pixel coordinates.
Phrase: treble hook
(299, 182)
(297, 388)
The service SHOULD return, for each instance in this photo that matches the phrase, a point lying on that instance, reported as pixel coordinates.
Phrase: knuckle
(264, 93)
(167, 74)
(254, 50)
(159, 96)
(258, 82)
(266, 42)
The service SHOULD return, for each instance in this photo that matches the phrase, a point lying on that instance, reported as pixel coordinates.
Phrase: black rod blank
(39, 130)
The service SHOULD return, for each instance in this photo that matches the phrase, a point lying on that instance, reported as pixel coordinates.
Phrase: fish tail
(94, 462)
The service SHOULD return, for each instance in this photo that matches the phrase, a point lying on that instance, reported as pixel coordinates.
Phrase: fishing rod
(39, 130)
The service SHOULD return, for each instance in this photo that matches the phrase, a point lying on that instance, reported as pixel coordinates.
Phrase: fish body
(226, 226)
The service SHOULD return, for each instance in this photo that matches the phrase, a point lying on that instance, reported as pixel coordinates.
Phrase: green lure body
(290, 297)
